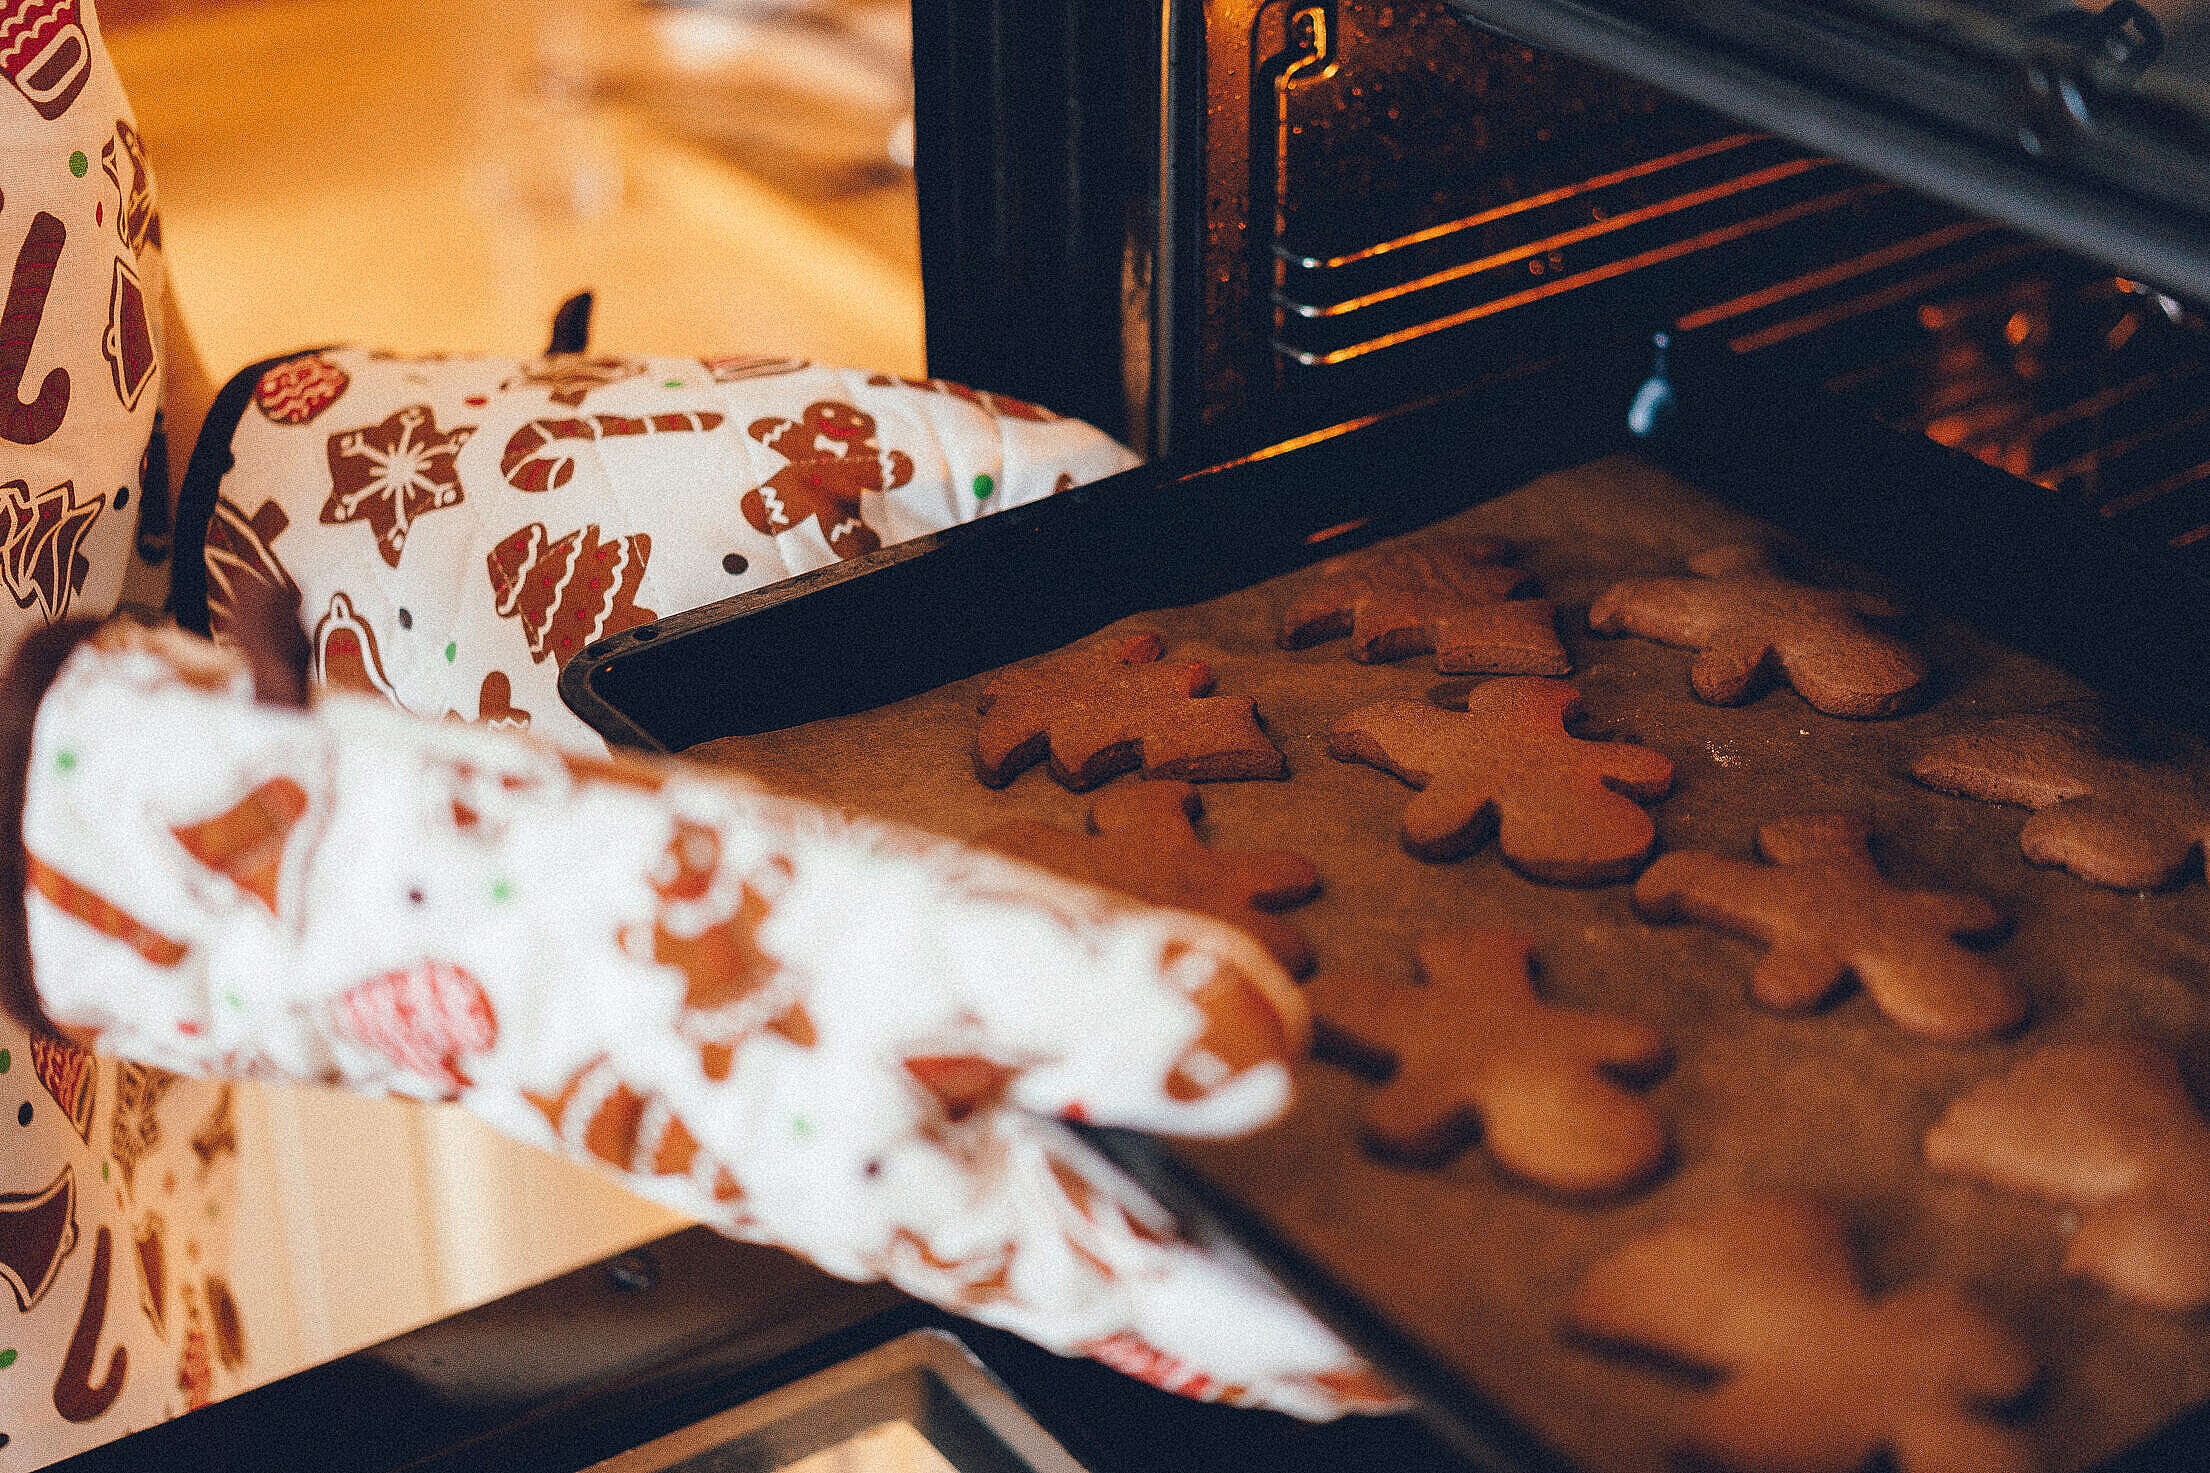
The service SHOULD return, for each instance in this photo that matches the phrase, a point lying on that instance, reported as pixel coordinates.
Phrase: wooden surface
(1832, 1104)
(438, 176)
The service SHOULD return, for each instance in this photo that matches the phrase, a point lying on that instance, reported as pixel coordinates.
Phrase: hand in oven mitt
(457, 529)
(801, 1027)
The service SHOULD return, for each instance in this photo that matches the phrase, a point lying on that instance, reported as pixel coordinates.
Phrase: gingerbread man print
(833, 458)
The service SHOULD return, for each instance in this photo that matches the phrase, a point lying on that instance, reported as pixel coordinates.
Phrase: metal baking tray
(909, 620)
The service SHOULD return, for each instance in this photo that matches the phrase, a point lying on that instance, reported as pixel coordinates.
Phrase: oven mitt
(802, 1027)
(459, 528)
(80, 335)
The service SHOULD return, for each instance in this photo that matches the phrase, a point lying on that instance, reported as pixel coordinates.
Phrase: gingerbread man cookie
(1814, 1377)
(1562, 809)
(2108, 1128)
(2106, 817)
(1101, 709)
(1745, 621)
(1143, 842)
(1475, 1049)
(1825, 914)
(831, 459)
(1450, 595)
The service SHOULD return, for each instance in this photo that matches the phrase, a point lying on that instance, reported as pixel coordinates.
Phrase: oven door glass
(920, 1404)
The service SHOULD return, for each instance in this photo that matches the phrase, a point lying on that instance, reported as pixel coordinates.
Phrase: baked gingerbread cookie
(1746, 622)
(1473, 1050)
(1453, 596)
(1143, 842)
(2108, 1128)
(1562, 809)
(1813, 1377)
(2107, 817)
(1111, 706)
(1825, 914)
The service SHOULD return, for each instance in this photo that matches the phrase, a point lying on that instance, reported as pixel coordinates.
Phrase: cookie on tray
(2108, 817)
(1562, 809)
(1472, 1050)
(1142, 841)
(1114, 705)
(1454, 596)
(1813, 1376)
(1825, 914)
(2110, 1129)
(1747, 623)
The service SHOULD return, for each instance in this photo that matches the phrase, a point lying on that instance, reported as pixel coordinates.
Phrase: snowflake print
(390, 473)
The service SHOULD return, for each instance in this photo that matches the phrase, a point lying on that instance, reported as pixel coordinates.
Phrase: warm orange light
(1329, 534)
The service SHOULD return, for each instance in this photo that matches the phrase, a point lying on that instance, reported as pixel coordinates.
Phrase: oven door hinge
(2074, 58)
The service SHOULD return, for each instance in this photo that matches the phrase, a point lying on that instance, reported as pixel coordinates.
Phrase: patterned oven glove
(459, 528)
(804, 1028)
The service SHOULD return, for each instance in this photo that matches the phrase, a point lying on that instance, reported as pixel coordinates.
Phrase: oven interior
(1230, 224)
(1434, 260)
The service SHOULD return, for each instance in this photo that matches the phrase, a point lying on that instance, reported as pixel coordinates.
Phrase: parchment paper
(1832, 1105)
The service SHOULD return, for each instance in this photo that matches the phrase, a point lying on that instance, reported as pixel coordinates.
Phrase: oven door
(697, 1353)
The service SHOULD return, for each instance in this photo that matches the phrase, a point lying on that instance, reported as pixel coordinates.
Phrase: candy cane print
(535, 460)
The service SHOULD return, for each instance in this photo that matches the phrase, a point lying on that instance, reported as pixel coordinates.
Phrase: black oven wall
(1205, 225)
(1036, 144)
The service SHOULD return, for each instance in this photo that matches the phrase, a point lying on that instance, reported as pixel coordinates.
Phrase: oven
(1920, 282)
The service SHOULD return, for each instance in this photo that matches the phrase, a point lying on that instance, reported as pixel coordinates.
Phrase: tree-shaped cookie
(1105, 708)
(1143, 842)
(1449, 595)
(1562, 809)
(1813, 1376)
(1474, 1049)
(1745, 621)
(2108, 1128)
(1825, 915)
(2106, 817)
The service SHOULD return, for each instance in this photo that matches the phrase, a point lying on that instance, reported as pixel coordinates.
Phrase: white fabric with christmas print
(802, 1027)
(459, 528)
(80, 335)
